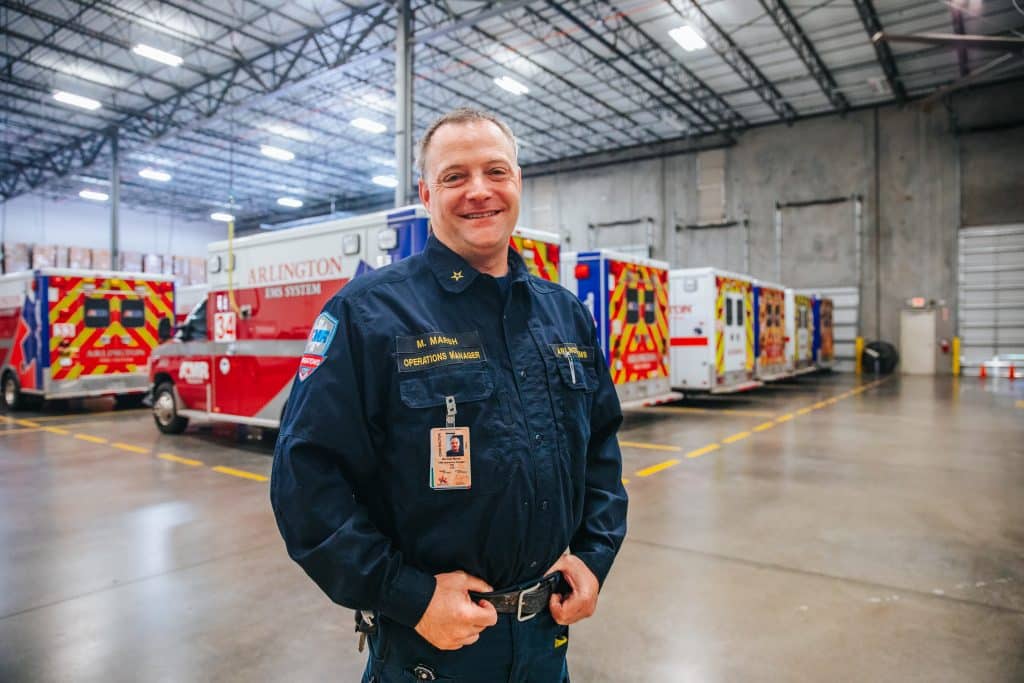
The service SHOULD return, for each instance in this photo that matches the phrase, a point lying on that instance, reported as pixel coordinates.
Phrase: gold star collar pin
(457, 275)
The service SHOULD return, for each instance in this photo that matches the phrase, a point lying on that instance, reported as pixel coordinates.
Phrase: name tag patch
(569, 350)
(320, 338)
(435, 349)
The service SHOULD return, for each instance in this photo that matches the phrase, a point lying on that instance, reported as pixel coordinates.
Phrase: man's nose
(478, 186)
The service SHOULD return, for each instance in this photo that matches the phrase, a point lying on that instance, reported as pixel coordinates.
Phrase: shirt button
(538, 438)
(533, 564)
(543, 505)
(522, 373)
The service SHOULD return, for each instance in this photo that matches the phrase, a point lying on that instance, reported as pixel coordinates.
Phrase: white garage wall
(79, 223)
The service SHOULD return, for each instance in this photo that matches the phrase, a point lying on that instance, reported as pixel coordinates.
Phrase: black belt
(526, 600)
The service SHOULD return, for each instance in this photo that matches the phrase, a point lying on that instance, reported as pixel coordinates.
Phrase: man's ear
(424, 192)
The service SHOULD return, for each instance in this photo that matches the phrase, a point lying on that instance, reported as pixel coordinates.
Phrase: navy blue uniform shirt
(351, 478)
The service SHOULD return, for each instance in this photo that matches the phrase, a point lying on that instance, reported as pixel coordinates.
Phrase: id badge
(449, 458)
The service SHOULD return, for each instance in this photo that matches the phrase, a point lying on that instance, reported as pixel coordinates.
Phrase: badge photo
(449, 458)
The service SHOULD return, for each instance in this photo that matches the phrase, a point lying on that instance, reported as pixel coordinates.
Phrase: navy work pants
(509, 652)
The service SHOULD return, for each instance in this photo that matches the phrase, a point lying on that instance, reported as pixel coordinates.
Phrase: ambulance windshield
(194, 326)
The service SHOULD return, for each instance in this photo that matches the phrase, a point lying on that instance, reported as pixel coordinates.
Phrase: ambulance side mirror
(164, 330)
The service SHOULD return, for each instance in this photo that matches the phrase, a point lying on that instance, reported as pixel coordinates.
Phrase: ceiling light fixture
(157, 55)
(290, 202)
(76, 100)
(153, 174)
(368, 125)
(222, 217)
(511, 85)
(384, 161)
(385, 180)
(276, 153)
(94, 196)
(687, 38)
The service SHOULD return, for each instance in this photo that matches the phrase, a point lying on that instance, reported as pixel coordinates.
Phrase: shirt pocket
(423, 396)
(577, 373)
(432, 387)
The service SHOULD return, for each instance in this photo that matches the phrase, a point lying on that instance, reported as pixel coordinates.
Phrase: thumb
(472, 583)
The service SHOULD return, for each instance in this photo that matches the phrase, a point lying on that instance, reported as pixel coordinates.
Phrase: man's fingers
(484, 615)
(472, 583)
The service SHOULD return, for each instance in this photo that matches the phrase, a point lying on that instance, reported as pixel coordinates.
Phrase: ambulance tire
(165, 410)
(10, 393)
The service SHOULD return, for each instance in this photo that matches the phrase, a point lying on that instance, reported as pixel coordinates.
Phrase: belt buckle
(522, 595)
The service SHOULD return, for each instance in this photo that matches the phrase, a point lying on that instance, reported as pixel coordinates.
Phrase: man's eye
(498, 172)
(451, 178)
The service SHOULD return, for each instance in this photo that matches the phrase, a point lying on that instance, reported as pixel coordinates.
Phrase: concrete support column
(403, 104)
(115, 196)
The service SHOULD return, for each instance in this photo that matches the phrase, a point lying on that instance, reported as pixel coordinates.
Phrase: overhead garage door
(991, 292)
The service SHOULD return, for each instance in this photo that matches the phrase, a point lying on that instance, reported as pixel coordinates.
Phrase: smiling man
(465, 563)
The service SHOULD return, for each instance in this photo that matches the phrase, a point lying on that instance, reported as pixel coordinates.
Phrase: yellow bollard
(956, 356)
(858, 352)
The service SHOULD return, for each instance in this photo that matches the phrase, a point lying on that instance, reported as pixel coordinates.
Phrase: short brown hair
(458, 116)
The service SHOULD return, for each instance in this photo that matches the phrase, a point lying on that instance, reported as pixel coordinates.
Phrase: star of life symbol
(457, 275)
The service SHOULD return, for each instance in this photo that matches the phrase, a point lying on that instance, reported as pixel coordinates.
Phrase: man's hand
(582, 602)
(452, 619)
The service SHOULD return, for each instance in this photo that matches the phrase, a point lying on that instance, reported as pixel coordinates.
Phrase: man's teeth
(486, 214)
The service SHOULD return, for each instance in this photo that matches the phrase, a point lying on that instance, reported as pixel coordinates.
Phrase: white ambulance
(628, 297)
(711, 320)
(235, 357)
(799, 332)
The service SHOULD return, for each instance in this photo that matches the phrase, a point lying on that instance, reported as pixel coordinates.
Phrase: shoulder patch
(320, 338)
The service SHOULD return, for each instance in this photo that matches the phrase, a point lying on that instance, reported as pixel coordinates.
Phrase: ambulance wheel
(12, 397)
(165, 410)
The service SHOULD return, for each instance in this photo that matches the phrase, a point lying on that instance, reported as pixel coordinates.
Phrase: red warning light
(582, 271)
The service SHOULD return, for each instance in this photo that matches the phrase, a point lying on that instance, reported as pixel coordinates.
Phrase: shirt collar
(454, 274)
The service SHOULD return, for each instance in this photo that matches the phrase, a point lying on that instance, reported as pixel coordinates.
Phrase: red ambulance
(68, 333)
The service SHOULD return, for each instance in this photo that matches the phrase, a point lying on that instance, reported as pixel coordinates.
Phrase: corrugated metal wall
(991, 291)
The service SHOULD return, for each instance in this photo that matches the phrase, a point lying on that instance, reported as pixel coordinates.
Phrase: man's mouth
(480, 214)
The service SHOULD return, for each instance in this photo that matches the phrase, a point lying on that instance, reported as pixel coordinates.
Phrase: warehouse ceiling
(292, 76)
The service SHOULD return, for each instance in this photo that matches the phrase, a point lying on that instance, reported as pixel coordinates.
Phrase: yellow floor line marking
(736, 437)
(1020, 404)
(650, 446)
(764, 426)
(625, 481)
(240, 473)
(820, 404)
(703, 451)
(90, 438)
(27, 423)
(56, 430)
(4, 432)
(784, 418)
(648, 471)
(711, 411)
(179, 459)
(804, 411)
(129, 447)
(76, 416)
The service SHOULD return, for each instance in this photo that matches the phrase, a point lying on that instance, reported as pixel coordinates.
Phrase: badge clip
(449, 403)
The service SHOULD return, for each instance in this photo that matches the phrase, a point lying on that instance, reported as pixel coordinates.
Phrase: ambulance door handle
(230, 350)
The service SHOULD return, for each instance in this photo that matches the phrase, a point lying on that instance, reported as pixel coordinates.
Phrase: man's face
(471, 188)
(454, 445)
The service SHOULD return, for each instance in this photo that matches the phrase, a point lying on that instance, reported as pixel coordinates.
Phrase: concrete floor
(878, 536)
